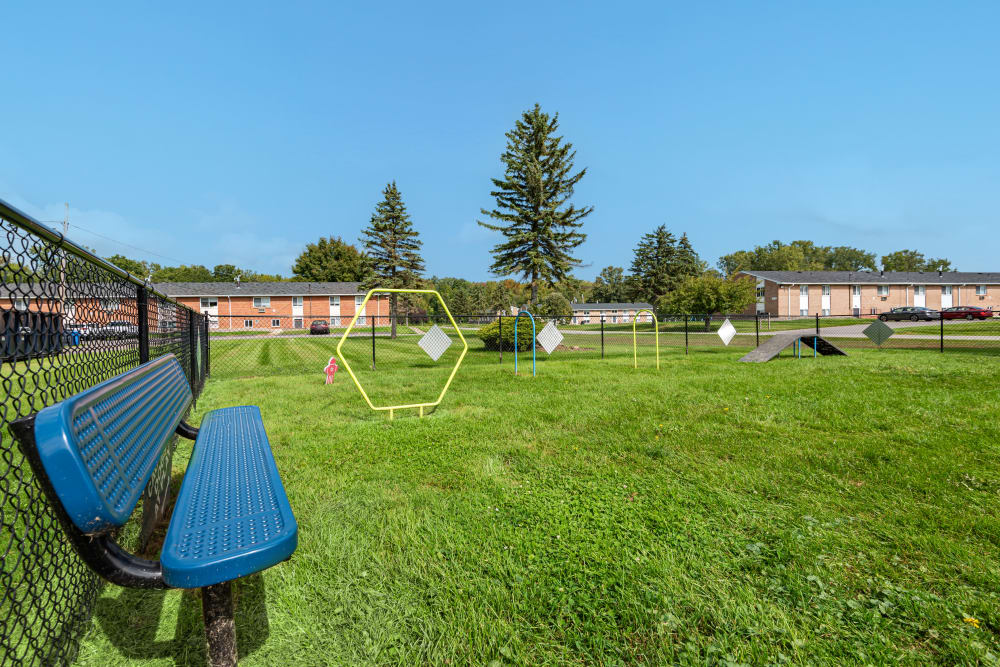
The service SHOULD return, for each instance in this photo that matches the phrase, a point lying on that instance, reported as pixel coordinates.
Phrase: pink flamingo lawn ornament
(330, 370)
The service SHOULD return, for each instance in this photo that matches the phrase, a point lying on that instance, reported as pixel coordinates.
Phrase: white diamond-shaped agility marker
(435, 342)
(550, 337)
(726, 332)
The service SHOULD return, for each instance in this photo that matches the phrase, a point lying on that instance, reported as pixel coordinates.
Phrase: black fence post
(500, 336)
(602, 336)
(373, 342)
(686, 318)
(756, 326)
(207, 346)
(192, 351)
(817, 324)
(942, 334)
(142, 302)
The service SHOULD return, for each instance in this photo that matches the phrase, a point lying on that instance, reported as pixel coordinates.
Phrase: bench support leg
(220, 631)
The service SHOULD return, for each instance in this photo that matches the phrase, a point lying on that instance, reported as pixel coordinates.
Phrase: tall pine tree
(661, 263)
(532, 211)
(393, 249)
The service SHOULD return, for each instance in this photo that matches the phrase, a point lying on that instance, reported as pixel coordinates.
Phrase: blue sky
(211, 134)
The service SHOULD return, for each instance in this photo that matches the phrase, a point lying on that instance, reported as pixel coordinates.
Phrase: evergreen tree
(661, 263)
(532, 211)
(393, 249)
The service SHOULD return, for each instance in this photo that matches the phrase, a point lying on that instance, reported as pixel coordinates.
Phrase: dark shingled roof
(877, 278)
(257, 289)
(610, 306)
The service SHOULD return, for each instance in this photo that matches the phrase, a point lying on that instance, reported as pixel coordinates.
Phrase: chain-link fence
(68, 320)
(282, 345)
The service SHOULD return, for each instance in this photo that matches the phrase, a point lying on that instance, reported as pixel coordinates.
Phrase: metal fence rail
(68, 320)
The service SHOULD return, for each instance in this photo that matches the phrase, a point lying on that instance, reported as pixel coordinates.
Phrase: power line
(121, 243)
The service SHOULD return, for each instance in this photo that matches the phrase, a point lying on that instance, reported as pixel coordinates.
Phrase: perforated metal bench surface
(232, 517)
(99, 448)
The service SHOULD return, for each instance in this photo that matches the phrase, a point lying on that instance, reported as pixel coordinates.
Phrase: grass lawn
(839, 510)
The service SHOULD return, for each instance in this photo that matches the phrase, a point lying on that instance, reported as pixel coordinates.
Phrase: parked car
(118, 330)
(966, 312)
(319, 327)
(912, 313)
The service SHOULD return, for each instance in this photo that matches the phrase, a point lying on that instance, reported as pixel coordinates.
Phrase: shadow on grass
(130, 622)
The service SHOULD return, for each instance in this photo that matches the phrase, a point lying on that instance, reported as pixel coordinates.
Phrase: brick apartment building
(860, 293)
(591, 313)
(286, 305)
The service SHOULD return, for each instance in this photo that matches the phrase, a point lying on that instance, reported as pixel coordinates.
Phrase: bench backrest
(100, 447)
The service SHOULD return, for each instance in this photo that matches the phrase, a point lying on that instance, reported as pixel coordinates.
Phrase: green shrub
(490, 334)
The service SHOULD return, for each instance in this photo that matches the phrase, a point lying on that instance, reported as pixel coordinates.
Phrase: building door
(334, 311)
(919, 295)
(803, 299)
(210, 307)
(946, 296)
(825, 300)
(856, 300)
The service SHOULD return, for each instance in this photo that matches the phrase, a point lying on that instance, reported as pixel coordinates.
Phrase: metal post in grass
(142, 302)
(602, 336)
(942, 334)
(817, 324)
(686, 317)
(192, 351)
(756, 326)
(373, 342)
(500, 336)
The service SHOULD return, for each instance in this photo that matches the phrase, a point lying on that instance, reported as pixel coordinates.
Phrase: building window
(262, 302)
(803, 311)
(362, 320)
(826, 312)
(334, 321)
(883, 290)
(826, 290)
(856, 290)
(946, 290)
(297, 323)
(980, 290)
(248, 324)
(109, 305)
(20, 304)
(803, 290)
(919, 290)
(335, 301)
(296, 301)
(357, 301)
(275, 323)
(209, 302)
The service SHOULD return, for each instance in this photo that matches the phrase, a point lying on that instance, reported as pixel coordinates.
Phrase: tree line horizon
(540, 227)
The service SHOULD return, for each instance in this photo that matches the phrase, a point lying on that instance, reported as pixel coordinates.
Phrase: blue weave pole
(518, 317)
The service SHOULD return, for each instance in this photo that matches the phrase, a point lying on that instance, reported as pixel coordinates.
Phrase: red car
(966, 313)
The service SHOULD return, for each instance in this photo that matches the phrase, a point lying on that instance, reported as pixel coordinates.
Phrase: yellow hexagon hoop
(360, 309)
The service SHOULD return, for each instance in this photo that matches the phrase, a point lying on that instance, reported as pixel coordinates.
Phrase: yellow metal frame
(360, 309)
(635, 345)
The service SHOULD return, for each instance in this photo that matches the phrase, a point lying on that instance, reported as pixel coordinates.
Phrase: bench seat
(232, 517)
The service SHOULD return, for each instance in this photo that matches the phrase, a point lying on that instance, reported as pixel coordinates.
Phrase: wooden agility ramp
(772, 347)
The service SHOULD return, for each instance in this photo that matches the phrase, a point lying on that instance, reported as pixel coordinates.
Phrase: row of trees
(541, 228)
(807, 256)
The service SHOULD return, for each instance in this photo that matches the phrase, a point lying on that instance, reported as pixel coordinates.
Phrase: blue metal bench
(94, 454)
